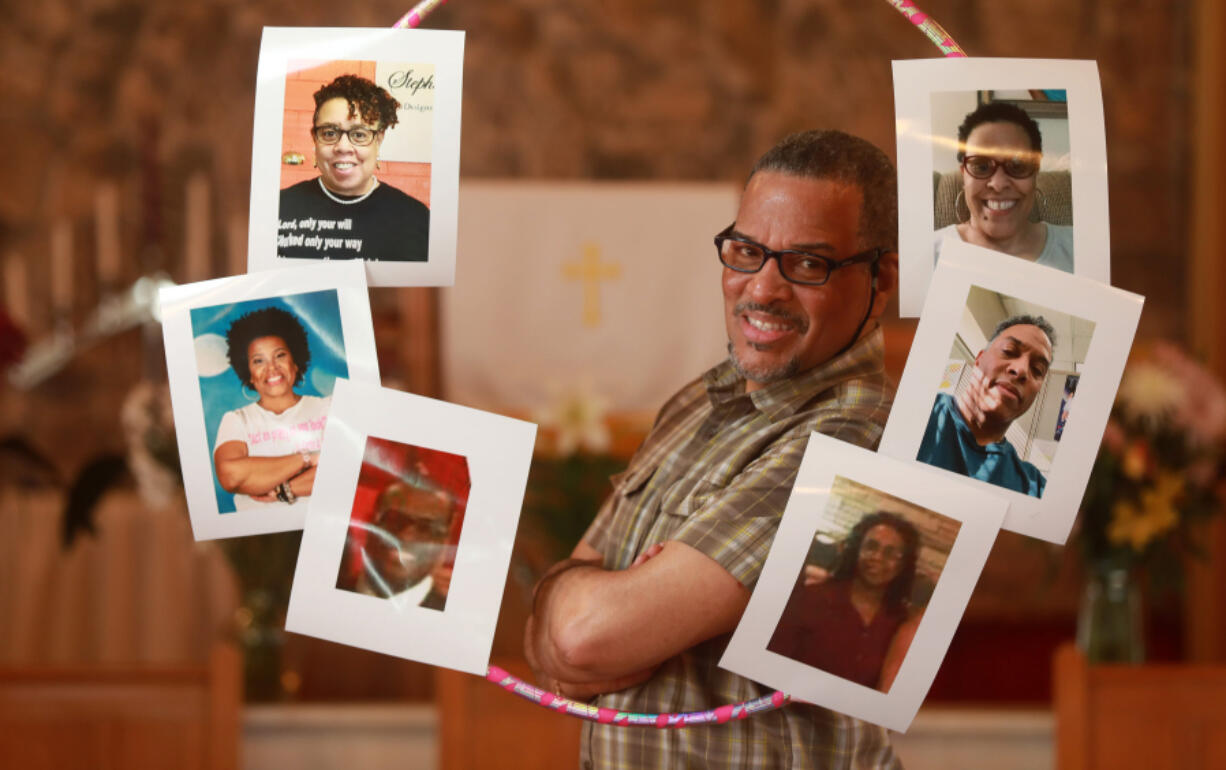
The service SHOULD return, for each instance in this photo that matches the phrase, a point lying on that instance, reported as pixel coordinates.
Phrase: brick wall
(143, 95)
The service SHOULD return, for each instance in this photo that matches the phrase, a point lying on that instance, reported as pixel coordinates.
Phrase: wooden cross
(591, 271)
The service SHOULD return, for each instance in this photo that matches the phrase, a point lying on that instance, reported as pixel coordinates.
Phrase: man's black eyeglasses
(803, 267)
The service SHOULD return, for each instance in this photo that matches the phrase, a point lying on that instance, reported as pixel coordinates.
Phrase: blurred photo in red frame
(405, 524)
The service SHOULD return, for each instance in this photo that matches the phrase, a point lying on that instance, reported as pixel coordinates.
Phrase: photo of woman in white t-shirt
(266, 370)
(266, 451)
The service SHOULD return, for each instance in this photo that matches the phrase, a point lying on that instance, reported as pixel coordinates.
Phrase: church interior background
(129, 157)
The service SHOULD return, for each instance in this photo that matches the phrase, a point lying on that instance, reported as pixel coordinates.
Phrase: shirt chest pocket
(629, 484)
(690, 495)
(663, 502)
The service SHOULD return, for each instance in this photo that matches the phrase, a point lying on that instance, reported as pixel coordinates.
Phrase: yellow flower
(1137, 524)
(1136, 460)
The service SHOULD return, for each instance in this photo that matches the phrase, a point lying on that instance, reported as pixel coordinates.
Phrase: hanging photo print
(865, 583)
(252, 361)
(356, 152)
(406, 549)
(1007, 154)
(985, 394)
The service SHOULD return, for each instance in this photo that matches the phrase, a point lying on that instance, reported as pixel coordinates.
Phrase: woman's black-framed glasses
(984, 166)
(359, 136)
(803, 267)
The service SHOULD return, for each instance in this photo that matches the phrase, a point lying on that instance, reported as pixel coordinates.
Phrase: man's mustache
(801, 323)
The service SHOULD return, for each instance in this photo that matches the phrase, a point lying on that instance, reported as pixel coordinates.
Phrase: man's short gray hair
(1028, 320)
(841, 157)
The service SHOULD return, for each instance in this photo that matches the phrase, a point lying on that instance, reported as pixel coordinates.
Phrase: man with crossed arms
(641, 613)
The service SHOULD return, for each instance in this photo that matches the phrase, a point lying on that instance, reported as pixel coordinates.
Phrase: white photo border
(914, 83)
(499, 452)
(979, 513)
(1115, 314)
(195, 454)
(280, 45)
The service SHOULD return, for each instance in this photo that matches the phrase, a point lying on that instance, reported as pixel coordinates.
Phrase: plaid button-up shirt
(715, 473)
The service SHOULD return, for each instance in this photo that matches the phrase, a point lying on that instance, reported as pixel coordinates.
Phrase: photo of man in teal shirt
(966, 434)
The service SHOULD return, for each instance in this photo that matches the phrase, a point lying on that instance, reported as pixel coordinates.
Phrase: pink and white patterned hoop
(715, 716)
(721, 714)
(926, 24)
(412, 19)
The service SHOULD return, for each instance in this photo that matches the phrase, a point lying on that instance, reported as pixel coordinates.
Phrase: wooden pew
(482, 725)
(1154, 717)
(108, 717)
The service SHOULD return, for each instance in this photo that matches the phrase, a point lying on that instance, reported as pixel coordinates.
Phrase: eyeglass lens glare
(984, 166)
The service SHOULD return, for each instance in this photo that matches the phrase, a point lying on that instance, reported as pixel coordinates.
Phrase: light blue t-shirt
(1057, 251)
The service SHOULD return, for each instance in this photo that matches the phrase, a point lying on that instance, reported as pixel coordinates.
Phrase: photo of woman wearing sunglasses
(1000, 199)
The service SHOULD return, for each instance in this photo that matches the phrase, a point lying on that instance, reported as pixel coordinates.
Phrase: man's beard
(764, 375)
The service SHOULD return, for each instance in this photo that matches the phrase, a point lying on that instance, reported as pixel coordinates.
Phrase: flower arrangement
(576, 420)
(1159, 470)
(570, 472)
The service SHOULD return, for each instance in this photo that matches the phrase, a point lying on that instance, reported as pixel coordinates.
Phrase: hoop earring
(253, 390)
(1041, 207)
(961, 198)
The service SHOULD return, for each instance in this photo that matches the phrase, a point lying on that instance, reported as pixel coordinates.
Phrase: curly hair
(999, 112)
(375, 104)
(898, 592)
(840, 157)
(266, 322)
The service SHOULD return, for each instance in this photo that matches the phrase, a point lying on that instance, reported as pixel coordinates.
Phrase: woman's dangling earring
(961, 198)
(249, 399)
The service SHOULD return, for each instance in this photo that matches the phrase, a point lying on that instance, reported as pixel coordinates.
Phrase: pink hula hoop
(721, 714)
